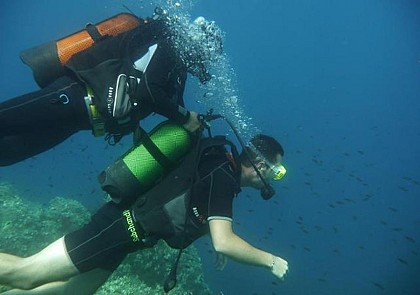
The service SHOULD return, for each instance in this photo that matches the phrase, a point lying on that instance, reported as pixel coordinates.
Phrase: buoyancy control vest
(114, 68)
(110, 58)
(48, 60)
(164, 212)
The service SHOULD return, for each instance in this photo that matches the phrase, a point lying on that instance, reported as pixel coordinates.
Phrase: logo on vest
(110, 99)
(131, 227)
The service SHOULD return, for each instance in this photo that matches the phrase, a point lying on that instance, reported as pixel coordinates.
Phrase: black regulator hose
(267, 192)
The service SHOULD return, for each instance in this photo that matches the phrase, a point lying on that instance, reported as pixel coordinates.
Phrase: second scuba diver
(108, 87)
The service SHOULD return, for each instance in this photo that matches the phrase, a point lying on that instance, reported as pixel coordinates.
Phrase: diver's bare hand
(280, 267)
(193, 123)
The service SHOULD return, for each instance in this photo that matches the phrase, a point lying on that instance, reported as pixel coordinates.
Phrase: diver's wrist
(272, 263)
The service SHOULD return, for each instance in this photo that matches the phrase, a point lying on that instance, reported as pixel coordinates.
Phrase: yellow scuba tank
(47, 61)
(143, 165)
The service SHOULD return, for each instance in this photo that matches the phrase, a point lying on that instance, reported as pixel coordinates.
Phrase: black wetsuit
(105, 241)
(35, 122)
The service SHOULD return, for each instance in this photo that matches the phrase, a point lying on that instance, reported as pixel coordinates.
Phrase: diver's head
(266, 155)
(199, 43)
(212, 36)
(206, 40)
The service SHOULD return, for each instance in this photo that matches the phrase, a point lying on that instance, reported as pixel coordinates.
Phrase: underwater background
(337, 82)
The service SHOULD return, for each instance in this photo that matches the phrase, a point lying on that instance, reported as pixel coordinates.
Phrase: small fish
(379, 286)
(403, 189)
(402, 261)
(410, 239)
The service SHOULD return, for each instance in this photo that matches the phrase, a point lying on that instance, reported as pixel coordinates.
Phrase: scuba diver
(107, 78)
(192, 200)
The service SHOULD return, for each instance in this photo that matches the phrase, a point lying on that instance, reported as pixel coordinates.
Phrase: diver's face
(265, 171)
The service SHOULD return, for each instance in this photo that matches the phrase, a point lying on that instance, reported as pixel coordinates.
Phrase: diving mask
(277, 171)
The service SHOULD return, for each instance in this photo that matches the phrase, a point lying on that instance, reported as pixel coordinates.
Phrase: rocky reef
(27, 226)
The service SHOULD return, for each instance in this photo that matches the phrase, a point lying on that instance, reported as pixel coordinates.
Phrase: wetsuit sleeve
(163, 84)
(222, 191)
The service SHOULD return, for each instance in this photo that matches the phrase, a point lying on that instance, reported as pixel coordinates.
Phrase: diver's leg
(102, 243)
(49, 265)
(35, 122)
(82, 284)
(19, 147)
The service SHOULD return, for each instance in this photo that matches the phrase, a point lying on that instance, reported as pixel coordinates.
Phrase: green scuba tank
(141, 167)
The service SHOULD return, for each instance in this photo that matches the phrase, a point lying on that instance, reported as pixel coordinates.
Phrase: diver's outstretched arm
(226, 242)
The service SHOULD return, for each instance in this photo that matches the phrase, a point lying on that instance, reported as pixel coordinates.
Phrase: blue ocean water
(337, 82)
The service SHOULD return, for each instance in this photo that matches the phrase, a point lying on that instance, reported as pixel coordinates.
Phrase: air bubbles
(220, 92)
